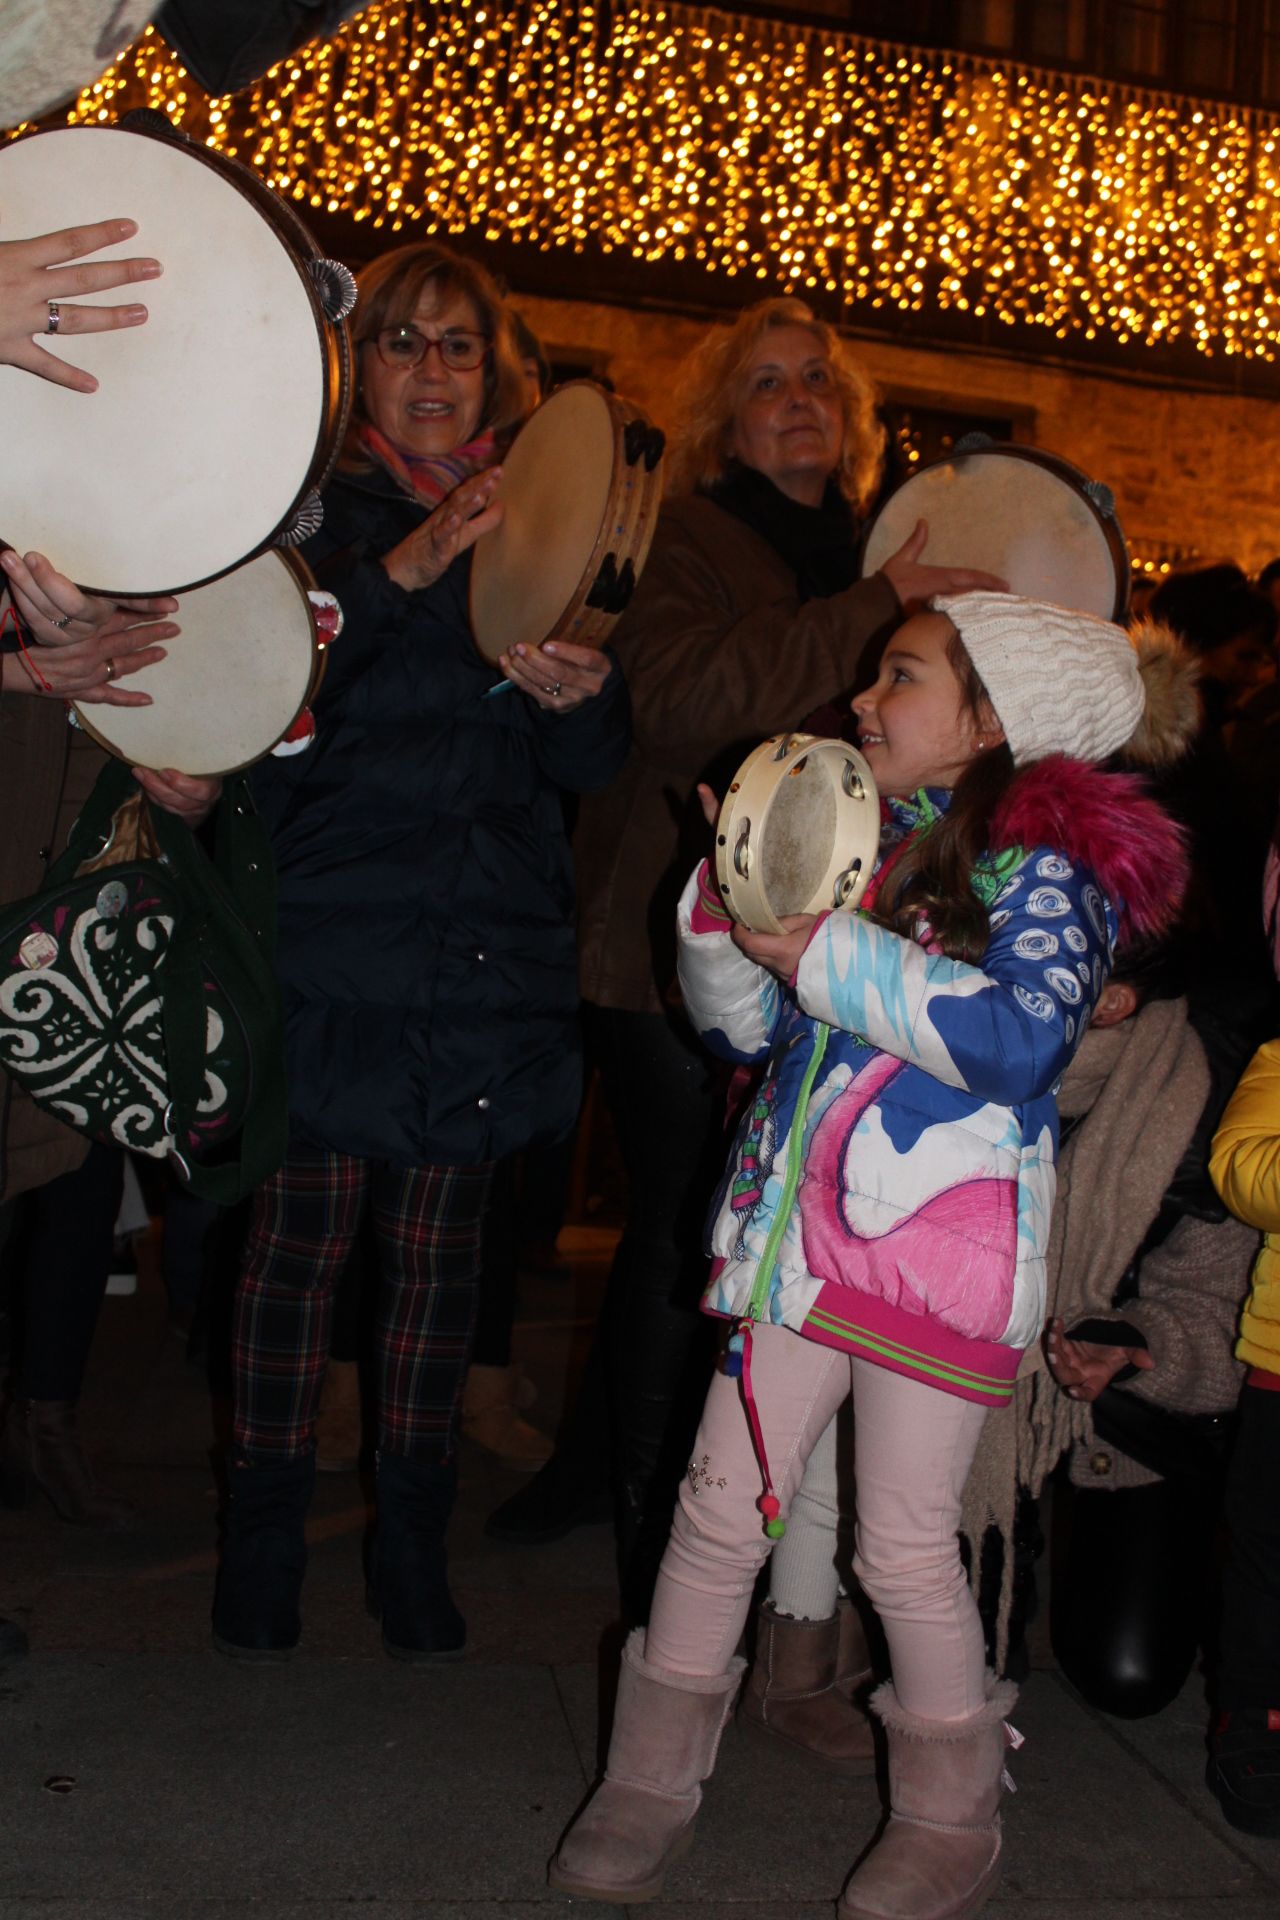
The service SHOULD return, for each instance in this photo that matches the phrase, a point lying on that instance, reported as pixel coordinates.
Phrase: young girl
(884, 1216)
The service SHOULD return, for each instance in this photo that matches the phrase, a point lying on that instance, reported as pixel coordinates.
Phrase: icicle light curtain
(774, 152)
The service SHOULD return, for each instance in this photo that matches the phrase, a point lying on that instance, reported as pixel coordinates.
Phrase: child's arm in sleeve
(1003, 1029)
(1244, 1162)
(733, 1004)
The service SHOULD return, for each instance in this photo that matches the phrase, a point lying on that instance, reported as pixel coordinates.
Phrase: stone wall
(1191, 470)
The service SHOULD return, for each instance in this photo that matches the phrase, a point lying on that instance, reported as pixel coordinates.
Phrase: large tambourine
(216, 423)
(580, 490)
(1018, 512)
(234, 682)
(798, 831)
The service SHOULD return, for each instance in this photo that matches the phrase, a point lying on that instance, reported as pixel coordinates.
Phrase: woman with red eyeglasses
(426, 954)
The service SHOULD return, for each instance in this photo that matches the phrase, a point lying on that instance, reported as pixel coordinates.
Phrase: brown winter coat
(46, 773)
(719, 652)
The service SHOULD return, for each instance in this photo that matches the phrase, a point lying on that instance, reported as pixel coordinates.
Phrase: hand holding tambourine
(779, 952)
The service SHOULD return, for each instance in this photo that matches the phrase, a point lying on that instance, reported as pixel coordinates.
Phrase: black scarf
(819, 544)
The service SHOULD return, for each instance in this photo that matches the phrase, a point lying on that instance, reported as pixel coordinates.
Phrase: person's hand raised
(448, 530)
(914, 583)
(37, 271)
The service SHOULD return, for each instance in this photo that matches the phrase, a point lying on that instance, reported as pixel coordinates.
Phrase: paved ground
(345, 1784)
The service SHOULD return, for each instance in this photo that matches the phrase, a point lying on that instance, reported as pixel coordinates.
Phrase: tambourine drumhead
(231, 684)
(576, 499)
(1017, 512)
(208, 421)
(798, 832)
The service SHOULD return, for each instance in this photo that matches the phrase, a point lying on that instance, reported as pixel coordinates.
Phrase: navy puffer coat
(426, 943)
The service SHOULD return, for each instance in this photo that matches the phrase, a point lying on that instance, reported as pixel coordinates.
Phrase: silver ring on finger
(64, 623)
(111, 669)
(554, 691)
(54, 321)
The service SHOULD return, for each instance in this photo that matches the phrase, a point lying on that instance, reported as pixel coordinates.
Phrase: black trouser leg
(1129, 1597)
(496, 1311)
(664, 1097)
(1249, 1659)
(62, 1242)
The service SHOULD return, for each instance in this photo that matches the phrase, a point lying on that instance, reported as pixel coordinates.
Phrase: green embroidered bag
(138, 1000)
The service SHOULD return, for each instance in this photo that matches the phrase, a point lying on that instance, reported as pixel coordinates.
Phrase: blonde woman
(750, 614)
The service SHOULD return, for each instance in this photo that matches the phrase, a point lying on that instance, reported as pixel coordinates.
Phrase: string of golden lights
(771, 153)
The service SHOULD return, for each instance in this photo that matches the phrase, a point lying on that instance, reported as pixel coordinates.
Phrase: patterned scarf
(428, 477)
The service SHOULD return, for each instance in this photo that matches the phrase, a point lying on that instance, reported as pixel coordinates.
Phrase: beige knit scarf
(1137, 1091)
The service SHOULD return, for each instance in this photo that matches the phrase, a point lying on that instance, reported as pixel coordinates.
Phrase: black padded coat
(426, 944)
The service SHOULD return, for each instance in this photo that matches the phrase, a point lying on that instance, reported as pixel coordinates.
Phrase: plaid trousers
(428, 1223)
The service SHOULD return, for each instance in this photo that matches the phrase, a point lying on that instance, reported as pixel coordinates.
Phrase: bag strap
(243, 881)
(91, 832)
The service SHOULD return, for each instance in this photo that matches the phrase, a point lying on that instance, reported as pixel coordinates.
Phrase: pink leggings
(914, 1446)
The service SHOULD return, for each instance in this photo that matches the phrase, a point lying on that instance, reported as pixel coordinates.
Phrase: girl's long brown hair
(933, 878)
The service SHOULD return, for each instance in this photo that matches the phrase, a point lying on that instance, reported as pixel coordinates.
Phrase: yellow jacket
(1245, 1165)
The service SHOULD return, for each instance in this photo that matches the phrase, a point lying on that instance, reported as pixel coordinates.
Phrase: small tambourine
(238, 681)
(580, 491)
(798, 831)
(1019, 512)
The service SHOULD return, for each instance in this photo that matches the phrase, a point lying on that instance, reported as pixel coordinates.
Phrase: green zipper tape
(795, 1156)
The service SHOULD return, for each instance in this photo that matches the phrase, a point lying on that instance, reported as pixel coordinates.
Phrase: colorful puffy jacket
(1245, 1166)
(912, 1227)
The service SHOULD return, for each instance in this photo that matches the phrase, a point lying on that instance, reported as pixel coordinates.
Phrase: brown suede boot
(338, 1423)
(491, 1401)
(43, 1449)
(939, 1856)
(666, 1732)
(804, 1685)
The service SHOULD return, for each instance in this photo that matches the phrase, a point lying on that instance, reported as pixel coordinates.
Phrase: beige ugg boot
(804, 1688)
(491, 1401)
(338, 1429)
(666, 1733)
(939, 1856)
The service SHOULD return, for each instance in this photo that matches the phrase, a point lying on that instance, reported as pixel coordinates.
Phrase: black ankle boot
(264, 1554)
(408, 1590)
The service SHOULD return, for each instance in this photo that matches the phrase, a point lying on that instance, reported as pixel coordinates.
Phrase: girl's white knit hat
(1060, 682)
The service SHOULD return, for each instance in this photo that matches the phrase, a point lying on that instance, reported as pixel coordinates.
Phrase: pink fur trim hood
(1109, 822)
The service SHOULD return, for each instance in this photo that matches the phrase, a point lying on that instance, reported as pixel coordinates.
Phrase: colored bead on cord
(738, 1366)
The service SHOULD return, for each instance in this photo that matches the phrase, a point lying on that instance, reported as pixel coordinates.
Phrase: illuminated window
(1058, 30)
(986, 23)
(921, 431)
(1207, 50)
(1140, 37)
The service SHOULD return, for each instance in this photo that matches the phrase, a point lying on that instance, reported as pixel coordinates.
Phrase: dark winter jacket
(426, 944)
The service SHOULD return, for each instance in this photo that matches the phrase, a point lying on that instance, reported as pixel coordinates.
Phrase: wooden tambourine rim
(319, 660)
(332, 336)
(641, 501)
(750, 797)
(636, 537)
(1053, 463)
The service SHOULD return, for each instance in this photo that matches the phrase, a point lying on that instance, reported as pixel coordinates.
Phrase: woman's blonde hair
(713, 387)
(390, 289)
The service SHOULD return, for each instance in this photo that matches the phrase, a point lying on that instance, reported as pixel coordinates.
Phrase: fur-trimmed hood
(1109, 822)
